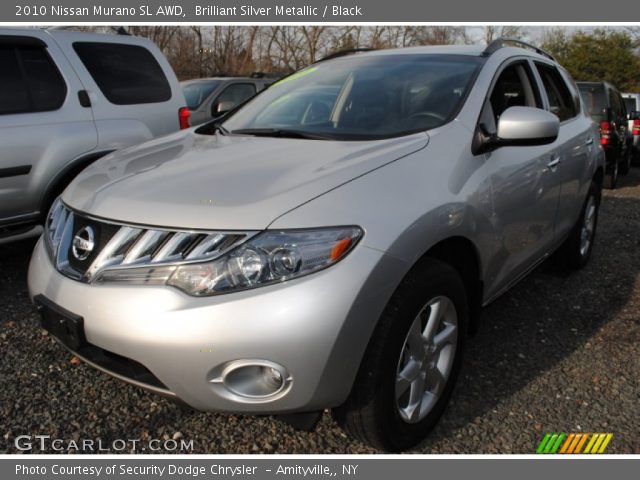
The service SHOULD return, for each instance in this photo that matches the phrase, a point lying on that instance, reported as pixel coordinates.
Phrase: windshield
(196, 93)
(360, 98)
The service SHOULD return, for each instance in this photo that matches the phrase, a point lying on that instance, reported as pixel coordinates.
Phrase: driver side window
(513, 88)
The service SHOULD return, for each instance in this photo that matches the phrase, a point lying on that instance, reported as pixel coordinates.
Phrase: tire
(576, 250)
(611, 178)
(372, 413)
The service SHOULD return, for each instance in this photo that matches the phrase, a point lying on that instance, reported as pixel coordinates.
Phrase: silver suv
(66, 99)
(330, 243)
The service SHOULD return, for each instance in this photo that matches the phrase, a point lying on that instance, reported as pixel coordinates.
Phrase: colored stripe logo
(574, 443)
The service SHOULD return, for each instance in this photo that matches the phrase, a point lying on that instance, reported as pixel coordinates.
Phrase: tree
(598, 55)
(493, 32)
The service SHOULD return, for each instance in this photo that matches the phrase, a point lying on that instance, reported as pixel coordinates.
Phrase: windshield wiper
(280, 132)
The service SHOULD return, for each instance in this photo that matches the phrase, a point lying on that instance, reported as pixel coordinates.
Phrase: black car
(605, 105)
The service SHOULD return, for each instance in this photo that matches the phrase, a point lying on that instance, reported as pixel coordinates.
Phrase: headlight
(270, 257)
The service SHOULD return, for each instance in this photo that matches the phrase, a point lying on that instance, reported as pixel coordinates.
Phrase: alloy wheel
(588, 226)
(427, 359)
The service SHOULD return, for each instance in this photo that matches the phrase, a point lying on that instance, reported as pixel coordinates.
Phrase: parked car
(328, 244)
(209, 98)
(632, 104)
(605, 105)
(66, 99)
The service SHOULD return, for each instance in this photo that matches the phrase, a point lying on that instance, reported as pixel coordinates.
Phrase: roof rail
(501, 42)
(342, 53)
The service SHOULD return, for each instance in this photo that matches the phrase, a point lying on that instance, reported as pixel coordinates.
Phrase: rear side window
(573, 89)
(616, 104)
(561, 102)
(125, 74)
(29, 80)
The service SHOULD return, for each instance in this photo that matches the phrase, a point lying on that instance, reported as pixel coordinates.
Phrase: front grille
(103, 232)
(83, 248)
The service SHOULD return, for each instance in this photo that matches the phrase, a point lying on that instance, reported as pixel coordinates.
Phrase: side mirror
(526, 126)
(221, 107)
(635, 115)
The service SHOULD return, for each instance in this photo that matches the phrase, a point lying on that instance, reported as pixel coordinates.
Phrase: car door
(132, 88)
(574, 148)
(525, 188)
(43, 126)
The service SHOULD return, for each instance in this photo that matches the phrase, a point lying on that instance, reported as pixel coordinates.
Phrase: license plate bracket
(61, 323)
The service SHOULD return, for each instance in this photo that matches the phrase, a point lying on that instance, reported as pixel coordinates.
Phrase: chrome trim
(135, 246)
(217, 381)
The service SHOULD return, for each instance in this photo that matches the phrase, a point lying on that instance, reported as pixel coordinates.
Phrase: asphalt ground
(558, 353)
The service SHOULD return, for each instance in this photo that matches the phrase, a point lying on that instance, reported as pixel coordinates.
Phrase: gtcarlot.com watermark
(47, 443)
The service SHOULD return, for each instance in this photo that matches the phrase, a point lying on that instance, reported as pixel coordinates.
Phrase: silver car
(66, 99)
(330, 243)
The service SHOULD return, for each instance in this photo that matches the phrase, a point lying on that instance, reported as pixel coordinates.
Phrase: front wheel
(576, 250)
(412, 362)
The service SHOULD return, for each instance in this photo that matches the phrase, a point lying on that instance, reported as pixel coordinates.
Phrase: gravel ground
(556, 354)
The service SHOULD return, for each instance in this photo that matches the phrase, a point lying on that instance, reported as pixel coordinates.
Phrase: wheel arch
(65, 176)
(461, 254)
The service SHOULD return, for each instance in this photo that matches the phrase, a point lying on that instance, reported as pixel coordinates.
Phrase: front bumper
(316, 327)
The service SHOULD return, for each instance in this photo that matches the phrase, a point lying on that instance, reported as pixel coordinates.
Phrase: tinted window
(630, 103)
(573, 89)
(196, 93)
(126, 74)
(616, 104)
(561, 103)
(29, 81)
(363, 97)
(14, 96)
(47, 88)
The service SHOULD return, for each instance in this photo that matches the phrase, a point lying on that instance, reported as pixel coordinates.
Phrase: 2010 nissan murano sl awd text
(329, 243)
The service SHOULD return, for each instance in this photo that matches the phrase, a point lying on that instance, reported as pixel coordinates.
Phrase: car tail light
(605, 132)
(183, 115)
(636, 127)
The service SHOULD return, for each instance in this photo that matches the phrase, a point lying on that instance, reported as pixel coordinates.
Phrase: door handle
(589, 141)
(554, 161)
(83, 97)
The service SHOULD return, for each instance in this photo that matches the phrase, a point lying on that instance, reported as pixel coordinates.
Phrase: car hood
(232, 182)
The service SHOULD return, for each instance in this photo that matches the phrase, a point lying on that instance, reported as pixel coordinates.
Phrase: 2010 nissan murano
(329, 243)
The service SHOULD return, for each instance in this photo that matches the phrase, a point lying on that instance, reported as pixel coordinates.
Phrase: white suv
(66, 99)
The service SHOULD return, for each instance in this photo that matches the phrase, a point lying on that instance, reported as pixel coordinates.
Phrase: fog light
(272, 376)
(253, 379)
